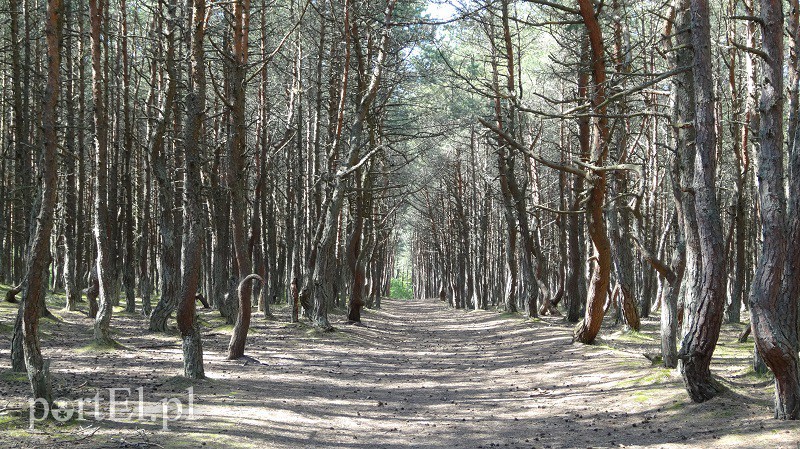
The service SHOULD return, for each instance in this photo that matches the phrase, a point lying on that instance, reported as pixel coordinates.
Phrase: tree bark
(773, 303)
(71, 229)
(33, 286)
(703, 322)
(169, 277)
(237, 175)
(191, 256)
(101, 229)
(129, 254)
(587, 330)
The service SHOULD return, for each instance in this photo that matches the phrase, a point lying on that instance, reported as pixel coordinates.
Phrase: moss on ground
(657, 377)
(6, 328)
(634, 337)
(13, 376)
(101, 348)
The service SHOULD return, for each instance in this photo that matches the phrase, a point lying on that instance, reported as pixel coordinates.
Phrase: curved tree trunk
(101, 228)
(587, 330)
(704, 320)
(239, 336)
(34, 285)
(192, 205)
(237, 176)
(773, 297)
(169, 276)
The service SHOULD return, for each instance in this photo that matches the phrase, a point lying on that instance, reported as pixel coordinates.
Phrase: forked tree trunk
(355, 259)
(324, 273)
(669, 309)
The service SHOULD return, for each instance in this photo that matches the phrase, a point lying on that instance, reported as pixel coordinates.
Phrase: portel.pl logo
(119, 404)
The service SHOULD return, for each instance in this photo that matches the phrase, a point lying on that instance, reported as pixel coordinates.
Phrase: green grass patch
(634, 337)
(752, 376)
(733, 350)
(211, 320)
(226, 328)
(315, 332)
(6, 328)
(400, 288)
(676, 405)
(14, 425)
(13, 376)
(658, 376)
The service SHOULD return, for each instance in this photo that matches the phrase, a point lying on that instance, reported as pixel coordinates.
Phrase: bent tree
(102, 233)
(705, 318)
(192, 213)
(236, 167)
(587, 330)
(773, 295)
(34, 284)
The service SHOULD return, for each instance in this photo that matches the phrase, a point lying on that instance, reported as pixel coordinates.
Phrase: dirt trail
(418, 374)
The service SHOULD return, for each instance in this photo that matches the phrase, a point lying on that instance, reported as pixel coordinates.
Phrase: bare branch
(752, 50)
(527, 151)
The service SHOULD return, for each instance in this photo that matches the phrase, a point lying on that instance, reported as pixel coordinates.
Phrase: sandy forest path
(416, 374)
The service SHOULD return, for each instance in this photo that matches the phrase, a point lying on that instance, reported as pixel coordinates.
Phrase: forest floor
(415, 374)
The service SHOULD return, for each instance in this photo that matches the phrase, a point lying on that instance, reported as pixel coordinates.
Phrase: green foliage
(401, 289)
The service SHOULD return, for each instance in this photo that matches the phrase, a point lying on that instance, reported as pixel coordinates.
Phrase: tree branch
(527, 151)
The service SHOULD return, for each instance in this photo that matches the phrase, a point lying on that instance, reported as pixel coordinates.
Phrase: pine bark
(237, 175)
(192, 245)
(169, 282)
(704, 320)
(773, 300)
(101, 228)
(34, 284)
(587, 330)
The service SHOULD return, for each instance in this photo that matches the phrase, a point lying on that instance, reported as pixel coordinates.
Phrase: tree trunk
(587, 330)
(773, 300)
(238, 176)
(192, 203)
(704, 320)
(129, 254)
(33, 286)
(101, 229)
(169, 276)
(71, 199)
